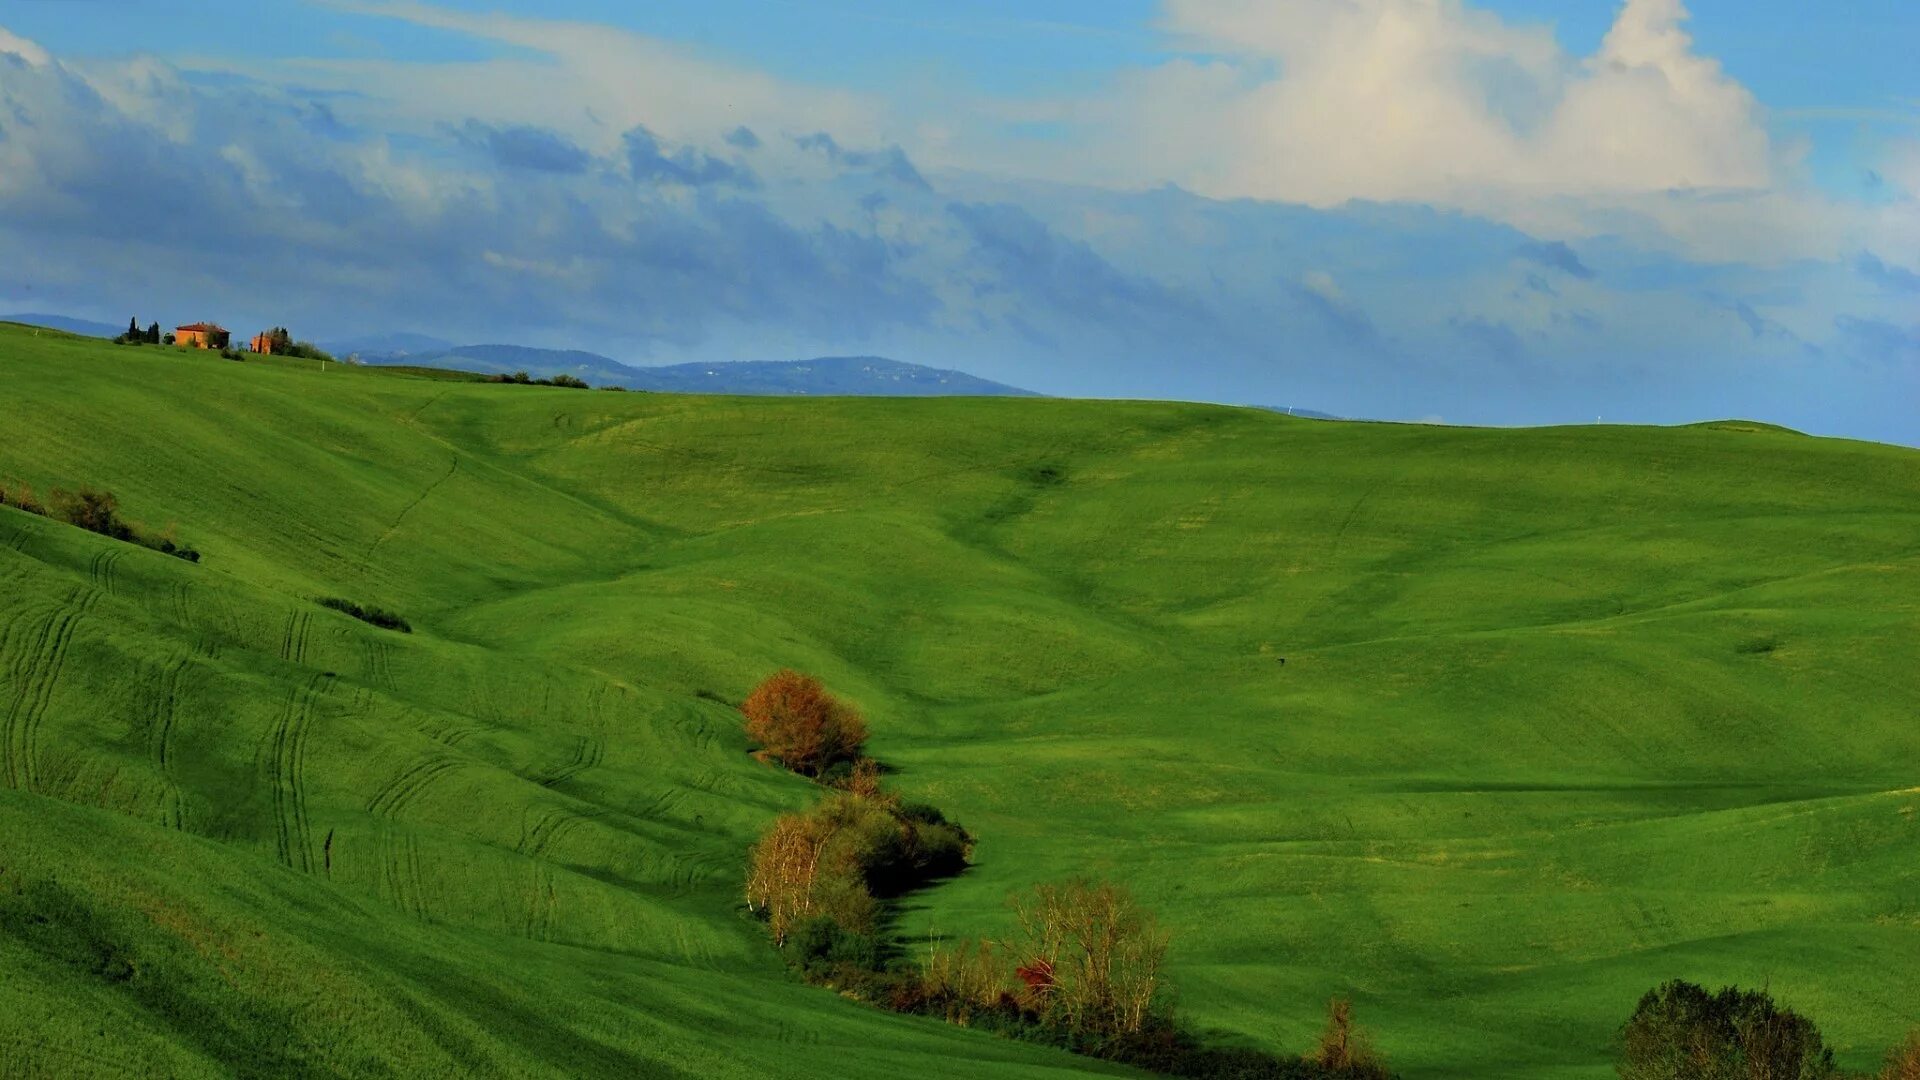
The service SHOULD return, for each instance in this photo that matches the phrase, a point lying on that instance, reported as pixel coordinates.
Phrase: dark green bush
(380, 617)
(569, 382)
(1680, 1031)
(823, 949)
(96, 512)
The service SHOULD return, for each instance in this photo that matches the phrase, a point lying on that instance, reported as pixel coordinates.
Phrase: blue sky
(1501, 212)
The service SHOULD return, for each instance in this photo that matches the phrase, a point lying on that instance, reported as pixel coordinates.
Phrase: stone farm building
(200, 335)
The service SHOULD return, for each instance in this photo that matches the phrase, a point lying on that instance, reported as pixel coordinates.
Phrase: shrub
(967, 980)
(97, 512)
(570, 382)
(1903, 1061)
(380, 617)
(1679, 1030)
(797, 723)
(1091, 957)
(619, 389)
(836, 859)
(94, 511)
(823, 949)
(1343, 1049)
(22, 498)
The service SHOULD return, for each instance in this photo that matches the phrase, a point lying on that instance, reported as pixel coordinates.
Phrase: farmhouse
(262, 342)
(200, 335)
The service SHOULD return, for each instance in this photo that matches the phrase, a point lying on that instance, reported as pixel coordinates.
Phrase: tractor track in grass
(35, 672)
(163, 711)
(293, 639)
(550, 826)
(288, 752)
(397, 794)
(379, 664)
(100, 568)
(541, 904)
(401, 879)
(178, 600)
(588, 751)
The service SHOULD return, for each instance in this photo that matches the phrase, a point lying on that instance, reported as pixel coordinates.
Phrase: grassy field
(1562, 713)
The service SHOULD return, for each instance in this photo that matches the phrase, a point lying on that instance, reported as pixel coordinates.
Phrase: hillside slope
(1562, 713)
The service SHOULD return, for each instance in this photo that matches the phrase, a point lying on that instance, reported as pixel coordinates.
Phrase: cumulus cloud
(1438, 100)
(23, 50)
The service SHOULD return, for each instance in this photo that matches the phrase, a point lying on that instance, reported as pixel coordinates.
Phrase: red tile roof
(203, 327)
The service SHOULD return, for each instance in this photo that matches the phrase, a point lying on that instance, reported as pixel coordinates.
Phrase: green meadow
(1490, 730)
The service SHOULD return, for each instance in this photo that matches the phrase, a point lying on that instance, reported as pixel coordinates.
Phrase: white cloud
(590, 81)
(1434, 100)
(24, 49)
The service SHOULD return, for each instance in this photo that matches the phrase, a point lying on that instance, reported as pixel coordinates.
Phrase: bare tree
(1091, 956)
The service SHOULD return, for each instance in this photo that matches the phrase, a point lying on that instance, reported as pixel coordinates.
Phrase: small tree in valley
(800, 725)
(1089, 957)
(1343, 1049)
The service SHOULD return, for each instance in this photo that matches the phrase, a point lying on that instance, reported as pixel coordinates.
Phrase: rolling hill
(823, 376)
(1562, 713)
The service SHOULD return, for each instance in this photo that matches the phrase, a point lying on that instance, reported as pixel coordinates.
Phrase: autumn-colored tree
(800, 725)
(1090, 956)
(1903, 1061)
(1343, 1049)
(784, 870)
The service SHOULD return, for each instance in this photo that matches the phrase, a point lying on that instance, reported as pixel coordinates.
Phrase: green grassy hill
(1563, 712)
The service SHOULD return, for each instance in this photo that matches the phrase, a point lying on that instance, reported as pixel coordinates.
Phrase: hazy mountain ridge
(829, 375)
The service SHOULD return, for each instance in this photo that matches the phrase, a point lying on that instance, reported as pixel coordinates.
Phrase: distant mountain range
(850, 376)
(86, 327)
(829, 375)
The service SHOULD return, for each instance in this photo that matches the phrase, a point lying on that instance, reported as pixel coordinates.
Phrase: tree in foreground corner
(1680, 1031)
(800, 725)
(1903, 1061)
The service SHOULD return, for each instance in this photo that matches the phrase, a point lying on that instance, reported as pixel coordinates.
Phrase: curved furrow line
(165, 705)
(400, 792)
(289, 749)
(33, 711)
(416, 881)
(587, 753)
(22, 677)
(315, 687)
(182, 611)
(378, 664)
(100, 568)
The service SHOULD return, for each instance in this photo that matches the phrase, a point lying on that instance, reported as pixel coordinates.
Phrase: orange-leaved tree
(800, 725)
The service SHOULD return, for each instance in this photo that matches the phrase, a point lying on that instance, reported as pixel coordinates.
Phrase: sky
(1502, 212)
